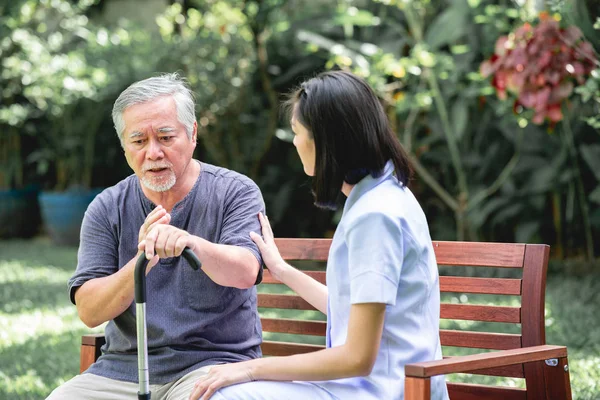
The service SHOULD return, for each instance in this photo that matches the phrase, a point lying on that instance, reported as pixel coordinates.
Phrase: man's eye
(139, 141)
(166, 138)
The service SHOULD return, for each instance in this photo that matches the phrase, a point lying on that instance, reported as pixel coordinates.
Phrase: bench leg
(417, 388)
(557, 379)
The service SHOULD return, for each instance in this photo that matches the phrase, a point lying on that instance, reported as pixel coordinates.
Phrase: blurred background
(497, 103)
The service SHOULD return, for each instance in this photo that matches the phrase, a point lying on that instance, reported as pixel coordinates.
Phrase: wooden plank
(558, 382)
(478, 254)
(484, 360)
(87, 357)
(271, 348)
(93, 339)
(285, 301)
(90, 349)
(480, 340)
(506, 286)
(532, 309)
(298, 327)
(509, 371)
(472, 312)
(417, 389)
(303, 249)
(318, 275)
(507, 255)
(464, 391)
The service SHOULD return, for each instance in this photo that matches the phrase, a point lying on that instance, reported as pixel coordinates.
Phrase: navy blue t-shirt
(191, 321)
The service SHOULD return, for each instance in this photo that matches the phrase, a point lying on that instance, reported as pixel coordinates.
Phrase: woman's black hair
(352, 134)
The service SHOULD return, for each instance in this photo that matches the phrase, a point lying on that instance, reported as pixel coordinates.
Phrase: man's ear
(195, 133)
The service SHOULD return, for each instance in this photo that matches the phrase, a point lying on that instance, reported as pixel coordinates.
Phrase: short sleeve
(98, 253)
(241, 217)
(375, 257)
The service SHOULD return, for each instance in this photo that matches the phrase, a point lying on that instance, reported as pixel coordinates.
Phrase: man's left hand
(166, 241)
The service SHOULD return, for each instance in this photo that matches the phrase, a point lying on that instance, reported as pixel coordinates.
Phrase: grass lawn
(40, 331)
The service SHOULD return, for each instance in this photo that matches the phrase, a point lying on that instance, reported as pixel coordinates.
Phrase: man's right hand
(156, 217)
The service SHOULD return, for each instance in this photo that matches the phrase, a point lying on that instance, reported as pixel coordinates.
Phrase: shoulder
(226, 178)
(388, 206)
(387, 199)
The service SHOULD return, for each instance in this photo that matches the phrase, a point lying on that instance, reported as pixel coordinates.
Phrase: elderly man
(195, 319)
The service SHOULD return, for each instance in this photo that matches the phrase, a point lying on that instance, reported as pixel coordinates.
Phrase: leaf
(591, 155)
(446, 28)
(524, 232)
(460, 116)
(595, 195)
(541, 180)
(507, 213)
(479, 216)
(352, 16)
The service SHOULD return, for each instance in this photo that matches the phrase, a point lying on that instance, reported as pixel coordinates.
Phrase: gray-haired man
(195, 319)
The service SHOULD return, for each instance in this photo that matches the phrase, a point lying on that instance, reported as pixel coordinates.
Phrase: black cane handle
(140, 272)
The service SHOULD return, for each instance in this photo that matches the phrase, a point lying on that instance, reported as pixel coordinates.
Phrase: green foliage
(484, 172)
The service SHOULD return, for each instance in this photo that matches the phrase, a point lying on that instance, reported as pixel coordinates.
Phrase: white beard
(159, 184)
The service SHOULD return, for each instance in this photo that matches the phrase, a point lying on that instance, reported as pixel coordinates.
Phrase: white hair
(151, 89)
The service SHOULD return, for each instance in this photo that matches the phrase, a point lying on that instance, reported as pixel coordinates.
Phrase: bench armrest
(462, 364)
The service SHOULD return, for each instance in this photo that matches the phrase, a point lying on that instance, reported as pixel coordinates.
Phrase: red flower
(538, 66)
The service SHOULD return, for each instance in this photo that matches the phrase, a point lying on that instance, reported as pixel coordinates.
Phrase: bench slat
(466, 312)
(472, 312)
(506, 286)
(318, 275)
(504, 255)
(465, 391)
(285, 301)
(303, 249)
(298, 327)
(480, 340)
(271, 348)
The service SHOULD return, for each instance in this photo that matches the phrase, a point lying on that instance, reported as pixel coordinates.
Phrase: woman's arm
(308, 288)
(356, 357)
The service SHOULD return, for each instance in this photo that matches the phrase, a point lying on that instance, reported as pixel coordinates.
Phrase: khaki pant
(94, 387)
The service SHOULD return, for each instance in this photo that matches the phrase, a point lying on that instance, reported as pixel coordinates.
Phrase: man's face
(156, 144)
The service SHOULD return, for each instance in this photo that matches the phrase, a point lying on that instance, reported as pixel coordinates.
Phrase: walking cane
(140, 318)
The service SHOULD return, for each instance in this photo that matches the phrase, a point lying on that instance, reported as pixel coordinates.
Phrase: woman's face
(305, 146)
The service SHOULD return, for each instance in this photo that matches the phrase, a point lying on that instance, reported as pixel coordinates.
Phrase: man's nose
(154, 150)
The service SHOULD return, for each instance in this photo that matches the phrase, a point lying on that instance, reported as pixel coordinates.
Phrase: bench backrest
(530, 260)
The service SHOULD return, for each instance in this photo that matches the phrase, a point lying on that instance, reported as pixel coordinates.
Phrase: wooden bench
(515, 355)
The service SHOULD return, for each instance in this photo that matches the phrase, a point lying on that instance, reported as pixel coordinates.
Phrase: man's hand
(165, 241)
(158, 216)
(220, 376)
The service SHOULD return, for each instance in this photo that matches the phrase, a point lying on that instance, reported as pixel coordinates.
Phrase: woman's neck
(347, 188)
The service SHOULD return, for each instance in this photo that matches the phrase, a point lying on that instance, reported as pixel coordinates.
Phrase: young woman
(382, 295)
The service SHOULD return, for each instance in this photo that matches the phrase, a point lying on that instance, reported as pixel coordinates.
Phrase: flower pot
(19, 212)
(62, 213)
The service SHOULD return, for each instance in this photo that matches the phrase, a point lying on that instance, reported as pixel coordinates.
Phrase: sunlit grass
(40, 332)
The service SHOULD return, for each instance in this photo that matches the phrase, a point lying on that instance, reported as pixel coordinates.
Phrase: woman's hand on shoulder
(268, 248)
